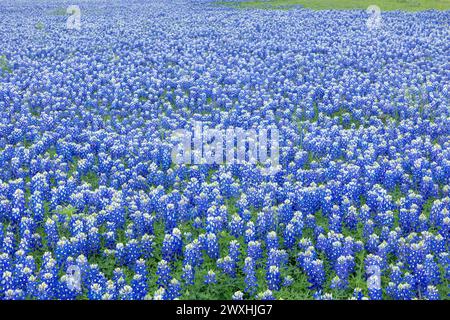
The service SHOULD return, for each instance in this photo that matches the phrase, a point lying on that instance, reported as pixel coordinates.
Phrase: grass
(385, 5)
(58, 12)
(39, 26)
(4, 64)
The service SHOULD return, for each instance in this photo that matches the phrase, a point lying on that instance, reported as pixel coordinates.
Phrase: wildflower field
(93, 204)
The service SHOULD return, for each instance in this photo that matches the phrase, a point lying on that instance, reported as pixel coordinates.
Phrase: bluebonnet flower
(43, 291)
(188, 274)
(250, 280)
(17, 294)
(94, 275)
(111, 291)
(273, 278)
(415, 254)
(212, 246)
(316, 273)
(372, 243)
(139, 286)
(51, 232)
(234, 250)
(192, 254)
(174, 289)
(168, 249)
(120, 253)
(431, 293)
(255, 250)
(266, 295)
(285, 212)
(368, 228)
(272, 240)
(277, 258)
(140, 267)
(227, 265)
(160, 294)
(358, 294)
(132, 252)
(93, 241)
(163, 272)
(250, 233)
(344, 267)
(431, 270)
(287, 281)
(37, 207)
(7, 282)
(238, 295)
(210, 277)
(236, 226)
(95, 292)
(405, 291)
(147, 246)
(62, 250)
(290, 235)
(126, 293)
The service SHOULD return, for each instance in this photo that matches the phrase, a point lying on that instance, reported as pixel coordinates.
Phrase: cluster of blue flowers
(87, 181)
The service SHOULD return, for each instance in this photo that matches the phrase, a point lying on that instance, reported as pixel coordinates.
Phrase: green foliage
(39, 25)
(91, 178)
(58, 12)
(67, 211)
(4, 65)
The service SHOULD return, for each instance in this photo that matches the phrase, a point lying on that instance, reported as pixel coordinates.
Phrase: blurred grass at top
(385, 5)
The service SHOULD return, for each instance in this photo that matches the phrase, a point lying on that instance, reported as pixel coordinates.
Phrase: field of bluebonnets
(87, 182)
